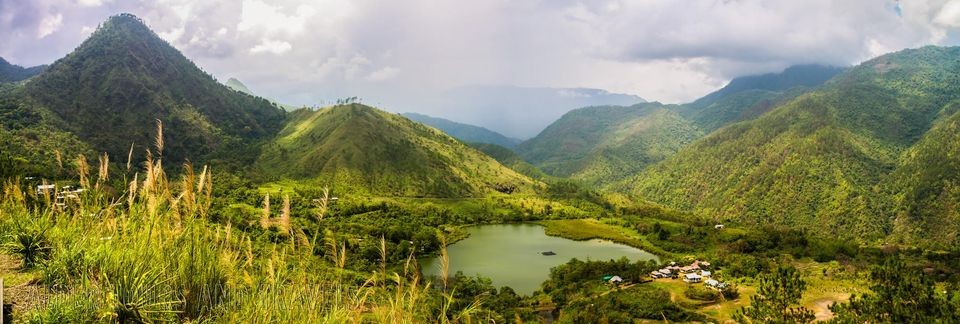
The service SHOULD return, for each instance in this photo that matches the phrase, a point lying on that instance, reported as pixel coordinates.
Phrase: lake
(510, 255)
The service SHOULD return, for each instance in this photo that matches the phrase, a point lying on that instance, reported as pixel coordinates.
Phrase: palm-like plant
(140, 295)
(30, 243)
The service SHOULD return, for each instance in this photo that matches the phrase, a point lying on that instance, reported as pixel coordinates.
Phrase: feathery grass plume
(130, 158)
(46, 192)
(444, 261)
(336, 251)
(132, 192)
(383, 260)
(148, 174)
(265, 216)
(188, 199)
(208, 198)
(203, 180)
(83, 170)
(158, 140)
(104, 173)
(322, 205)
(284, 221)
(205, 183)
(59, 157)
(12, 192)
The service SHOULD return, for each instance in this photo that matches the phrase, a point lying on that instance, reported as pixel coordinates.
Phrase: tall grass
(150, 254)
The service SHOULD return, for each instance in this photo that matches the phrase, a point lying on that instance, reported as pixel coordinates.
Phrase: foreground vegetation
(141, 246)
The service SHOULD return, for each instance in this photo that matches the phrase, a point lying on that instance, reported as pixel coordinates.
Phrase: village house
(41, 189)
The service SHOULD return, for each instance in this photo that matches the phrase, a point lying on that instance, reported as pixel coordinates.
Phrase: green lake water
(510, 255)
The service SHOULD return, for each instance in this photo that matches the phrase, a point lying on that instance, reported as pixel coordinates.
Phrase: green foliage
(464, 132)
(926, 186)
(139, 293)
(575, 279)
(82, 307)
(791, 78)
(511, 160)
(626, 306)
(65, 267)
(815, 163)
(601, 144)
(900, 294)
(777, 292)
(113, 87)
(13, 73)
(359, 149)
(701, 293)
(28, 241)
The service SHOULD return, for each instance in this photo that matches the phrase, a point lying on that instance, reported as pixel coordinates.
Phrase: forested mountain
(794, 76)
(464, 132)
(111, 90)
(925, 187)
(747, 97)
(360, 148)
(598, 144)
(510, 159)
(606, 144)
(817, 162)
(13, 73)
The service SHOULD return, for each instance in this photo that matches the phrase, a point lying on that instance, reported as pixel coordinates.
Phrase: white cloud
(272, 46)
(49, 25)
(90, 3)
(384, 74)
(172, 35)
(258, 15)
(949, 15)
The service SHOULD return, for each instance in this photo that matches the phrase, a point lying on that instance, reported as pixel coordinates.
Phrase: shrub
(70, 308)
(30, 243)
(139, 294)
(66, 264)
(730, 292)
(701, 293)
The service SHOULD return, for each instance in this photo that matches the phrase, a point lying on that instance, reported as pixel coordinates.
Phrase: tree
(900, 295)
(777, 292)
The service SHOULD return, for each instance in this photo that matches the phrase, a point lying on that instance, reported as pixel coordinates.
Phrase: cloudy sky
(302, 52)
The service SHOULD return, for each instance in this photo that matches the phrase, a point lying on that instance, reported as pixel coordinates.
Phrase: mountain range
(464, 132)
(516, 112)
(867, 153)
(603, 144)
(12, 73)
(109, 94)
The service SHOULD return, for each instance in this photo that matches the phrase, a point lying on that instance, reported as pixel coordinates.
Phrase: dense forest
(822, 161)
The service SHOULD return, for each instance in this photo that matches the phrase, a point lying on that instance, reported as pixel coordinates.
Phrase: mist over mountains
(518, 112)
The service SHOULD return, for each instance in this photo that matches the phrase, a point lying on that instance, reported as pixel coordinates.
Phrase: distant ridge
(464, 132)
(13, 73)
(516, 112)
(604, 144)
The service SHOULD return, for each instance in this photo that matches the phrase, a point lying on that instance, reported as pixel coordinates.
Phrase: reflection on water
(512, 254)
